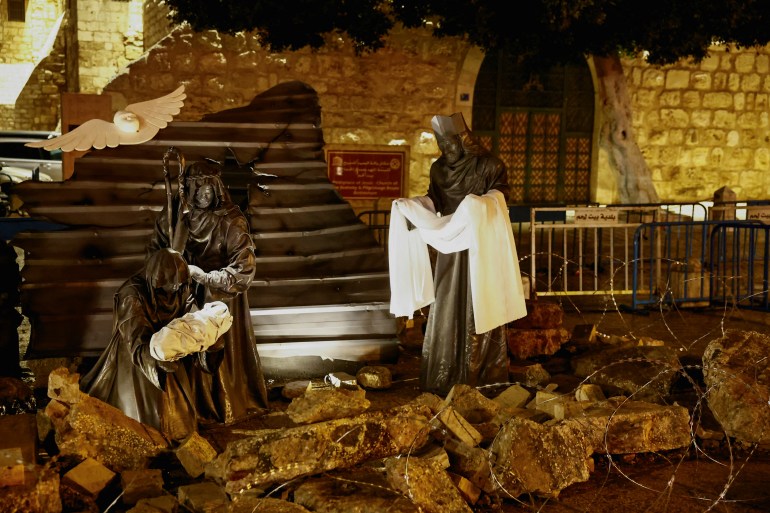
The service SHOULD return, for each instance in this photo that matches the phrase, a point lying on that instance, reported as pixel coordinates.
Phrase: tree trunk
(616, 135)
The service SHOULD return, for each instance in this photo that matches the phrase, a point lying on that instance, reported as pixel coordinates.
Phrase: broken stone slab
(515, 396)
(471, 404)
(619, 426)
(737, 375)
(363, 489)
(327, 404)
(194, 453)
(523, 344)
(531, 375)
(540, 315)
(248, 504)
(64, 386)
(471, 463)
(589, 392)
(94, 429)
(469, 491)
(432, 401)
(204, 497)
(644, 372)
(375, 377)
(450, 421)
(141, 484)
(539, 459)
(425, 484)
(295, 389)
(89, 477)
(40, 493)
(279, 455)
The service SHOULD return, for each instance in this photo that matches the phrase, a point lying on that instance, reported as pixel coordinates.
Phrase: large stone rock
(618, 426)
(644, 372)
(540, 315)
(326, 404)
(94, 429)
(736, 370)
(360, 489)
(277, 455)
(541, 460)
(523, 344)
(426, 484)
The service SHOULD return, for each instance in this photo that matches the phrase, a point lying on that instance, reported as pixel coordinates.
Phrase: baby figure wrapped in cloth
(191, 333)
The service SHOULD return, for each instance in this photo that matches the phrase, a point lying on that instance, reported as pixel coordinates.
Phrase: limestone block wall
(110, 36)
(382, 98)
(703, 126)
(156, 25)
(20, 42)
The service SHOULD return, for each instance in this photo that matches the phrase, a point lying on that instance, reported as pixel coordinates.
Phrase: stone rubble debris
(432, 454)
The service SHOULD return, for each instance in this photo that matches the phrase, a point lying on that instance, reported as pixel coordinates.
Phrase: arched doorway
(540, 124)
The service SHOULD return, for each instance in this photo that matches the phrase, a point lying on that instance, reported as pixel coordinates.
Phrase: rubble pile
(336, 451)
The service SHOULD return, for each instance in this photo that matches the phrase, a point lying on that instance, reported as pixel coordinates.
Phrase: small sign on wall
(761, 214)
(368, 172)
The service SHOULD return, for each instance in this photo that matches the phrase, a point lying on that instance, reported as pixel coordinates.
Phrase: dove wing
(95, 133)
(160, 111)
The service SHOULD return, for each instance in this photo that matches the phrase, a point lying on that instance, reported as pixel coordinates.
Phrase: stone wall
(700, 127)
(110, 36)
(20, 42)
(703, 126)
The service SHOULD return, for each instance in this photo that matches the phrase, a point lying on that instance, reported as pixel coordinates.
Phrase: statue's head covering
(446, 126)
(202, 172)
(166, 267)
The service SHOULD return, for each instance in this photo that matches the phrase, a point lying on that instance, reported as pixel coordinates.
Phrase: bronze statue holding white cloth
(478, 287)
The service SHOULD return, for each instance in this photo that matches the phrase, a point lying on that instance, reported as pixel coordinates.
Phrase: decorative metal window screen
(540, 125)
(17, 10)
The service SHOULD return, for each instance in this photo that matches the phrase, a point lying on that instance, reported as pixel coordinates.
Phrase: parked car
(19, 162)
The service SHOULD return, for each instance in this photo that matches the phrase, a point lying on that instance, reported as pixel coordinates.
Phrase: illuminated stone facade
(699, 126)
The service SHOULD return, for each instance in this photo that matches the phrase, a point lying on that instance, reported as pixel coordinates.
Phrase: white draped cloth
(191, 333)
(481, 225)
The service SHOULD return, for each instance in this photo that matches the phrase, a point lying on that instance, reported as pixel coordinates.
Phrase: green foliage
(541, 31)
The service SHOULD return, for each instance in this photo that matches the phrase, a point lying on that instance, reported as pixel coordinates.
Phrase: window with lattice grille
(17, 10)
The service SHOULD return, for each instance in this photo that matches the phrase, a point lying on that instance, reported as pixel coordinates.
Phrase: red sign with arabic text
(364, 174)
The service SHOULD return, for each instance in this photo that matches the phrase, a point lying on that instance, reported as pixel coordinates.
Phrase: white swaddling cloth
(191, 333)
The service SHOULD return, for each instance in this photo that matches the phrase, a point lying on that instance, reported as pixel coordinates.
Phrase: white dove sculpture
(137, 123)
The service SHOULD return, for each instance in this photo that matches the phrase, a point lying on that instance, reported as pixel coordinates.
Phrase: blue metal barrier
(739, 253)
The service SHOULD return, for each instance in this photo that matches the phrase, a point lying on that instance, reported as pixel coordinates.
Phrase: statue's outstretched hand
(197, 273)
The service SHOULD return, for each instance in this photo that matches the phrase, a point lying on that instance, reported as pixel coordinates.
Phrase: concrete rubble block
(278, 455)
(375, 377)
(589, 392)
(204, 497)
(194, 453)
(619, 426)
(540, 315)
(570, 408)
(531, 374)
(162, 504)
(327, 404)
(20, 432)
(540, 460)
(455, 424)
(646, 372)
(523, 344)
(363, 489)
(426, 484)
(737, 375)
(40, 493)
(471, 404)
(468, 490)
(94, 429)
(295, 389)
(141, 484)
(434, 453)
(341, 379)
(64, 386)
(89, 477)
(472, 463)
(515, 396)
(11, 467)
(432, 401)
